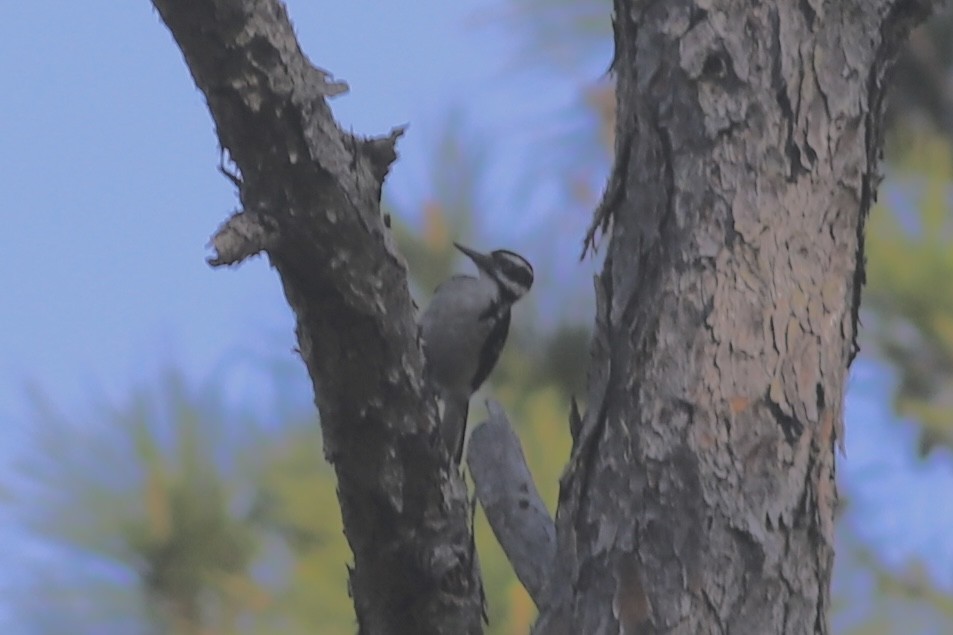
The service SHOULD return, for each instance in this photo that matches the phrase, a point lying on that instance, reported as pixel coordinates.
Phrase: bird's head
(508, 269)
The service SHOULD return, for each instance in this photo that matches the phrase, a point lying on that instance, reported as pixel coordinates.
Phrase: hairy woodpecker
(463, 331)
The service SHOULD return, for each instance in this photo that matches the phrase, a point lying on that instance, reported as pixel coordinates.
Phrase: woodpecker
(463, 331)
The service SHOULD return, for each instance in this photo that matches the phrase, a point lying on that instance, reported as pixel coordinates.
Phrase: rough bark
(700, 493)
(310, 195)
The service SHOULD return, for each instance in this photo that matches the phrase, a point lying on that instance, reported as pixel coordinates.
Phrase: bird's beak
(482, 261)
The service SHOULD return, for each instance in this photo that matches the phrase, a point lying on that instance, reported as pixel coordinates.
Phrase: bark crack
(788, 114)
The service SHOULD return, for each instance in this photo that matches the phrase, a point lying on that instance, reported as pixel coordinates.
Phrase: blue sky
(110, 192)
(108, 165)
(107, 161)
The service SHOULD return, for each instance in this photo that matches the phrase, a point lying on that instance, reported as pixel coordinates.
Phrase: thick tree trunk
(311, 200)
(700, 495)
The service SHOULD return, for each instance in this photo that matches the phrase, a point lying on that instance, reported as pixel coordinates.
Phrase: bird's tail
(453, 425)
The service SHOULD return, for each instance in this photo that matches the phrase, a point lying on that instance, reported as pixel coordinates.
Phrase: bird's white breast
(454, 329)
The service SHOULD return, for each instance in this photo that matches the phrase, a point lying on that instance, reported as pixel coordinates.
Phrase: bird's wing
(491, 350)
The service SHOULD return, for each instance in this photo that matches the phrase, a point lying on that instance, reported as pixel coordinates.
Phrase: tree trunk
(311, 200)
(700, 495)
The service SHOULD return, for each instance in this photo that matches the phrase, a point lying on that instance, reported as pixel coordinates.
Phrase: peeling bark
(700, 494)
(310, 195)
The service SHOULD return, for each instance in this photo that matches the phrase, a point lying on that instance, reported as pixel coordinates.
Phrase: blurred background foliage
(176, 514)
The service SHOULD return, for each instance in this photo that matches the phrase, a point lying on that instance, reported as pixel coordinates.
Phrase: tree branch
(311, 199)
(517, 514)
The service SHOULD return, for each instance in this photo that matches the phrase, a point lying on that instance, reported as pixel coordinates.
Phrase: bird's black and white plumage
(463, 331)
